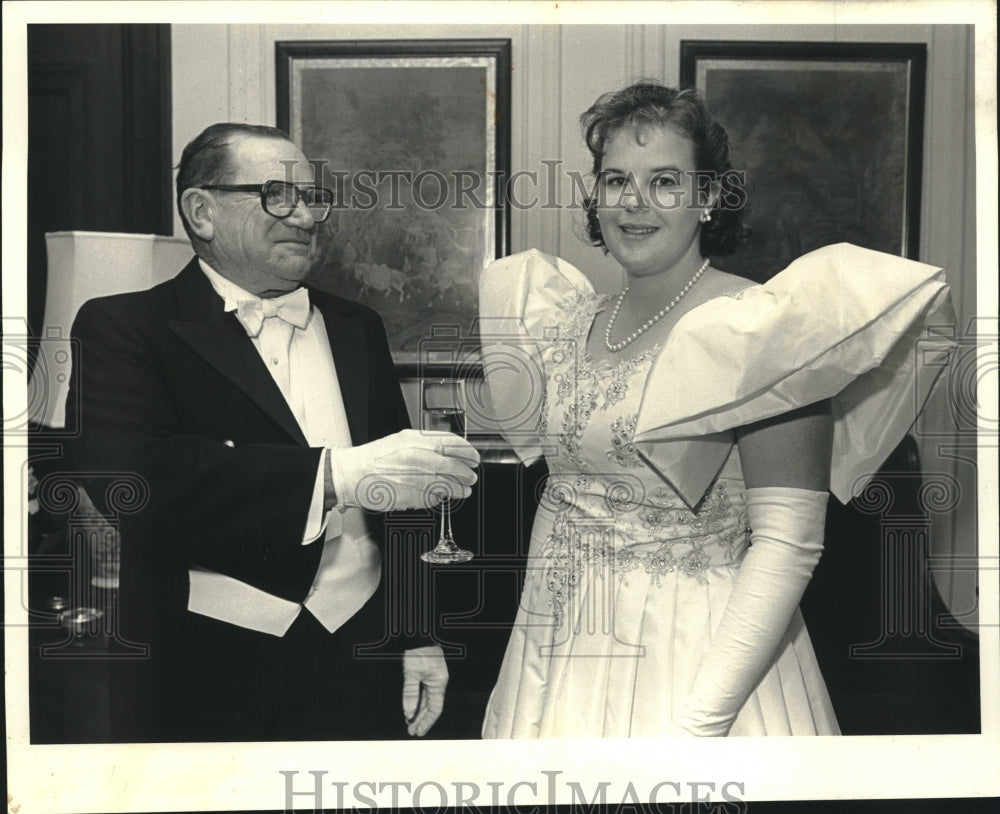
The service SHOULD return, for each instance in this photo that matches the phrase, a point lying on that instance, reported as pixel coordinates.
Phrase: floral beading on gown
(641, 528)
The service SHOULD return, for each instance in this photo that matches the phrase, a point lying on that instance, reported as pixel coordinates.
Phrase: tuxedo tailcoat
(170, 394)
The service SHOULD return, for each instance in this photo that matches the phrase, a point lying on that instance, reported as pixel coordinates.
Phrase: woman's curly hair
(651, 104)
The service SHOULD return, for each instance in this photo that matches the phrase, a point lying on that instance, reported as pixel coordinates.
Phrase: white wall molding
(645, 53)
(542, 133)
(244, 76)
(947, 239)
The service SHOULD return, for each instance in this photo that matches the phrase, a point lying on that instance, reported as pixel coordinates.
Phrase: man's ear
(199, 210)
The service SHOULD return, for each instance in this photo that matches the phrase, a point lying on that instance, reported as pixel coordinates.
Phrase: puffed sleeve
(842, 323)
(520, 298)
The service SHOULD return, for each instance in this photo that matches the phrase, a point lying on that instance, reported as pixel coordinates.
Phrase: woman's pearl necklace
(614, 347)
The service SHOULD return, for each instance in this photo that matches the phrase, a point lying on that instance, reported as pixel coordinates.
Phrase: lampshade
(81, 266)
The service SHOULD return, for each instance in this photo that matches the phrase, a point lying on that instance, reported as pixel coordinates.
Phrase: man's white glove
(425, 675)
(787, 541)
(408, 470)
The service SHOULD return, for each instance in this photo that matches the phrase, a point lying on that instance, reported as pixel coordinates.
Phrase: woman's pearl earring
(705, 216)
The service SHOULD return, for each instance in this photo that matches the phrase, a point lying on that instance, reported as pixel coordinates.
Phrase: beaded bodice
(611, 509)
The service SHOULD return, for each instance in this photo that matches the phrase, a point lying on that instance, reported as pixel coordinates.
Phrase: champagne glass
(442, 407)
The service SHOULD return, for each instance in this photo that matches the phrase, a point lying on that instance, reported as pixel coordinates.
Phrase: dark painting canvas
(407, 143)
(828, 147)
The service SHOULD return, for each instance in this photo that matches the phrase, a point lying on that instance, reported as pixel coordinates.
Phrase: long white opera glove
(786, 543)
(425, 675)
(407, 470)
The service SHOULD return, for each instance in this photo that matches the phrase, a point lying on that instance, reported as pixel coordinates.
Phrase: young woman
(693, 425)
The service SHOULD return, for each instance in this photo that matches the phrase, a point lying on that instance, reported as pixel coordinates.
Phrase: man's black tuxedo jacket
(169, 387)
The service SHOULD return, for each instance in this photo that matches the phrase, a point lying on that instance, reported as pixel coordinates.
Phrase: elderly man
(268, 427)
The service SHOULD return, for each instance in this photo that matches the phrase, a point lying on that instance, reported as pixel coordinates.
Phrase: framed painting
(830, 136)
(413, 138)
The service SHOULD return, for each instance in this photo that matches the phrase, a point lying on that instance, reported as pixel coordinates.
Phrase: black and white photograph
(466, 406)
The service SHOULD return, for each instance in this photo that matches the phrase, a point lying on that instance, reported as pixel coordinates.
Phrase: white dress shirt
(301, 362)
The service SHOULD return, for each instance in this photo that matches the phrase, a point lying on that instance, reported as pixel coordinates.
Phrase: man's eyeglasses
(280, 198)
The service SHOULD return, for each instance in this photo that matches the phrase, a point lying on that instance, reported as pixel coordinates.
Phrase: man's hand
(407, 470)
(425, 675)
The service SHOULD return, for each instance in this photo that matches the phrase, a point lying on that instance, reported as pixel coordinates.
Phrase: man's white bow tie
(292, 308)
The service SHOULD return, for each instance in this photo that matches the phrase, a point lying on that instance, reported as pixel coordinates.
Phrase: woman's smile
(635, 231)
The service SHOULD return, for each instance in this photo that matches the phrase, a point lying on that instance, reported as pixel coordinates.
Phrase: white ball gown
(641, 529)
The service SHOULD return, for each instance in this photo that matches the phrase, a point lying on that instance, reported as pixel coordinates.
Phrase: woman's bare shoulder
(722, 283)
